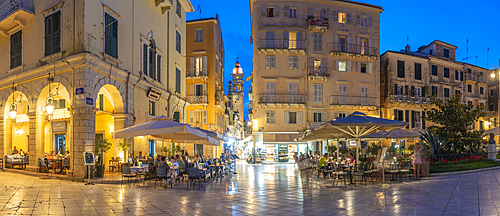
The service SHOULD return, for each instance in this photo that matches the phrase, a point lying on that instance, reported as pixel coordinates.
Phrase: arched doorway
(109, 117)
(16, 122)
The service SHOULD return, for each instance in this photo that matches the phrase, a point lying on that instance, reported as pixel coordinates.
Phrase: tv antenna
(199, 8)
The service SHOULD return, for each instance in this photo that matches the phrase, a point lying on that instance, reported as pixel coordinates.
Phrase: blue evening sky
(451, 21)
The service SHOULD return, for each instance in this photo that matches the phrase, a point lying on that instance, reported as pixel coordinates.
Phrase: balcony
(165, 5)
(317, 23)
(288, 98)
(193, 72)
(318, 73)
(353, 49)
(471, 77)
(409, 99)
(198, 99)
(15, 12)
(353, 100)
(281, 45)
(311, 125)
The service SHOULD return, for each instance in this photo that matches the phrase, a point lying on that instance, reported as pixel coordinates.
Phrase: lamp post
(492, 147)
(13, 107)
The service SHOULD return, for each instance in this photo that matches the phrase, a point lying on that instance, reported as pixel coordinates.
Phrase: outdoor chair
(127, 174)
(404, 170)
(368, 171)
(338, 174)
(161, 174)
(194, 175)
(65, 164)
(393, 171)
(359, 171)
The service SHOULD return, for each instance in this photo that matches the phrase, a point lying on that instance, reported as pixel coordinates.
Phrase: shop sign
(154, 94)
(88, 158)
(58, 127)
(352, 142)
(79, 91)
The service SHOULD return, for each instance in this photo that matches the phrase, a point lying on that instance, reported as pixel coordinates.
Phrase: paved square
(276, 189)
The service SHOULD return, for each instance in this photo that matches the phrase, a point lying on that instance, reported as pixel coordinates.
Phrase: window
(270, 117)
(418, 71)
(457, 75)
(318, 93)
(461, 76)
(145, 59)
(178, 42)
(198, 117)
(469, 88)
(492, 107)
(52, 33)
(317, 117)
(434, 90)
(364, 95)
(457, 92)
(446, 73)
(293, 88)
(446, 53)
(152, 60)
(292, 12)
(16, 49)
(434, 70)
(342, 17)
(177, 116)
(431, 52)
(179, 9)
(492, 93)
(177, 80)
(270, 62)
(198, 35)
(481, 90)
(293, 62)
(401, 69)
(363, 67)
(158, 68)
(446, 92)
(340, 115)
(270, 12)
(318, 42)
(342, 66)
(292, 117)
(363, 21)
(152, 108)
(111, 36)
(152, 147)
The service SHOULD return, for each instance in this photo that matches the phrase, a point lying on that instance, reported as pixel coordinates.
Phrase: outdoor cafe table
(349, 171)
(139, 170)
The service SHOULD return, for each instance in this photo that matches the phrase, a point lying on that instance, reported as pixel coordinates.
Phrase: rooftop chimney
(407, 48)
(217, 16)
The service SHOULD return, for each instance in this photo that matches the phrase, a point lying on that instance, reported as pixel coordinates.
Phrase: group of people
(20, 151)
(54, 160)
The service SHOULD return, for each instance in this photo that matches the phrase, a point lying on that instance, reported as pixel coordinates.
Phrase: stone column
(84, 132)
(8, 136)
(2, 141)
(32, 148)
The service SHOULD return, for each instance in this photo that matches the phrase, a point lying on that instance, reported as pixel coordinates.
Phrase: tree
(455, 120)
(124, 146)
(101, 146)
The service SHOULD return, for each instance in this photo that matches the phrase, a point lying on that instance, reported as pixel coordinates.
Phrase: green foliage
(374, 148)
(391, 150)
(124, 145)
(462, 166)
(411, 148)
(101, 146)
(177, 149)
(431, 140)
(331, 148)
(456, 119)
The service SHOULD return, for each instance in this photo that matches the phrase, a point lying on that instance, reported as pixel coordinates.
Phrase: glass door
(60, 143)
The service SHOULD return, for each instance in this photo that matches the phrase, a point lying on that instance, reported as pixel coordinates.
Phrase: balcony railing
(471, 77)
(353, 48)
(318, 71)
(288, 98)
(198, 99)
(317, 22)
(9, 7)
(410, 99)
(353, 100)
(482, 79)
(197, 73)
(282, 44)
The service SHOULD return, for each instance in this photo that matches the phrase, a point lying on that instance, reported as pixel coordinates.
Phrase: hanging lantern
(49, 105)
(13, 111)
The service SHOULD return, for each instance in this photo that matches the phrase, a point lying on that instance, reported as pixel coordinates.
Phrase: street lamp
(13, 107)
(49, 103)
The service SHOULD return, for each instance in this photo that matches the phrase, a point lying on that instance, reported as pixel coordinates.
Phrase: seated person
(322, 162)
(174, 166)
(54, 163)
(15, 151)
(130, 159)
(186, 162)
(222, 157)
(67, 155)
(182, 166)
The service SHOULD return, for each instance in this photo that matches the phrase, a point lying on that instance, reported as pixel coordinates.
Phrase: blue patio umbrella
(356, 125)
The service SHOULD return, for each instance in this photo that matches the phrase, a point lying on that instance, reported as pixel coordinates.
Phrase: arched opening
(109, 105)
(54, 131)
(16, 129)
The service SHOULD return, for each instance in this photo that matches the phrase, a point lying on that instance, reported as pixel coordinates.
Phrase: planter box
(424, 169)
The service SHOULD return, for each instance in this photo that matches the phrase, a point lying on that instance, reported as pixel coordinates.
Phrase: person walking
(417, 160)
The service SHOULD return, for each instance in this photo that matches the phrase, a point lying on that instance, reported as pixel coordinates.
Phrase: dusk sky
(451, 21)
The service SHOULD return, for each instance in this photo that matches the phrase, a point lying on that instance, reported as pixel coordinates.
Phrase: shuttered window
(318, 42)
(318, 93)
(293, 62)
(401, 69)
(145, 59)
(418, 71)
(434, 70)
(178, 42)
(178, 80)
(53, 33)
(179, 9)
(198, 35)
(158, 68)
(446, 72)
(152, 60)
(111, 36)
(152, 108)
(16, 49)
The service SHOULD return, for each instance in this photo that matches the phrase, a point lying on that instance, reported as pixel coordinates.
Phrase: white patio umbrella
(495, 131)
(164, 128)
(317, 134)
(357, 125)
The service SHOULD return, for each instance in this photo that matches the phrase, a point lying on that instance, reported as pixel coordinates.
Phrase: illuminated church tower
(235, 91)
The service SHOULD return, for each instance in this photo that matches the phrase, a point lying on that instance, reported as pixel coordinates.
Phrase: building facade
(410, 79)
(313, 61)
(75, 71)
(205, 80)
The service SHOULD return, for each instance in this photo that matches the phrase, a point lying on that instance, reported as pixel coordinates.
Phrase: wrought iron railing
(316, 21)
(193, 72)
(9, 7)
(410, 99)
(318, 71)
(353, 48)
(353, 100)
(288, 98)
(281, 44)
(198, 99)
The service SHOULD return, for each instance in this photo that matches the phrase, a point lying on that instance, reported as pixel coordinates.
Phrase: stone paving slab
(271, 189)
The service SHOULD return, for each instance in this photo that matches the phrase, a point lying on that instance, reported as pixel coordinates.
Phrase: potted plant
(124, 145)
(101, 146)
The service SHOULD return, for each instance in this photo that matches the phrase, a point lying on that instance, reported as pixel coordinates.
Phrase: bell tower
(235, 93)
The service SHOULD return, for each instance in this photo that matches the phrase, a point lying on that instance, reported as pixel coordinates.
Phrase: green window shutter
(395, 89)
(111, 36)
(62, 103)
(158, 68)
(178, 80)
(145, 59)
(16, 49)
(101, 102)
(52, 33)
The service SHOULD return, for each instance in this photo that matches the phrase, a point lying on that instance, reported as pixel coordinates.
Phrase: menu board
(88, 158)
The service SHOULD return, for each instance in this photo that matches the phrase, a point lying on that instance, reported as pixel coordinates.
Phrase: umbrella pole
(338, 156)
(162, 145)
